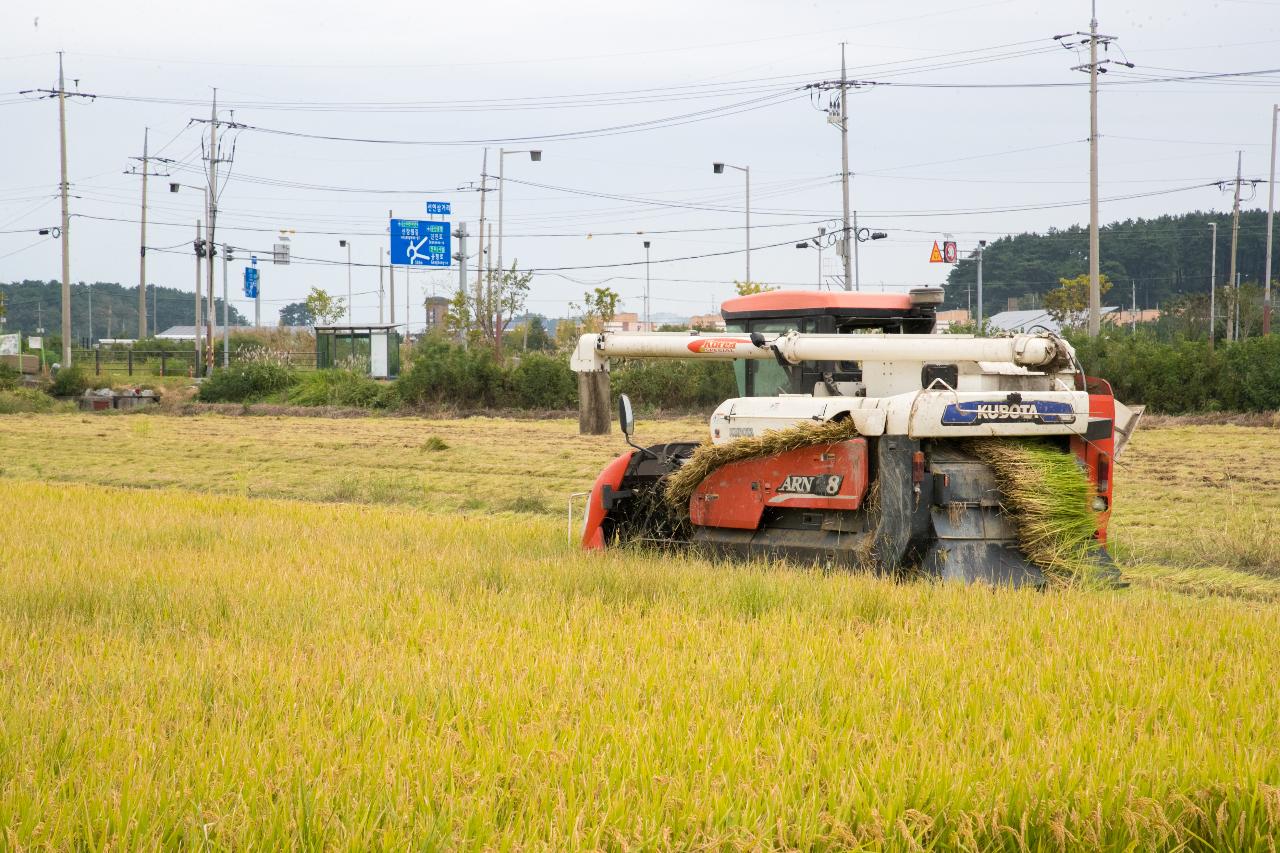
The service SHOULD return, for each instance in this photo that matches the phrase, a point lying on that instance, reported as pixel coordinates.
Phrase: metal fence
(122, 361)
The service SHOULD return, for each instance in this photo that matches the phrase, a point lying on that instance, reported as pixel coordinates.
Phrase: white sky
(916, 151)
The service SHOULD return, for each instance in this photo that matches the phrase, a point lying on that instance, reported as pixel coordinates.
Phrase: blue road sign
(437, 208)
(421, 243)
(251, 282)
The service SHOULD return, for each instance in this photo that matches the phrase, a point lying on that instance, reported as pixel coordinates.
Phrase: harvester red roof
(805, 300)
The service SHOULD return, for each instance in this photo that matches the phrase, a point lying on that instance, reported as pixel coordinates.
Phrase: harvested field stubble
(264, 674)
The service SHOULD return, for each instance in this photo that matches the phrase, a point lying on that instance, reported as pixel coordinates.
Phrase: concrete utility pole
(1271, 210)
(848, 235)
(462, 279)
(199, 353)
(482, 261)
(66, 219)
(381, 290)
(391, 282)
(1095, 282)
(213, 222)
(1232, 332)
(1213, 284)
(1095, 67)
(142, 249)
(982, 244)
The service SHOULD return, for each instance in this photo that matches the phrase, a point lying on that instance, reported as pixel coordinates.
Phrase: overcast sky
(928, 159)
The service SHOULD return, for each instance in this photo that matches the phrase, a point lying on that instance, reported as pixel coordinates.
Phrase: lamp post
(718, 168)
(825, 240)
(648, 325)
(1213, 283)
(200, 252)
(535, 156)
(347, 245)
(818, 243)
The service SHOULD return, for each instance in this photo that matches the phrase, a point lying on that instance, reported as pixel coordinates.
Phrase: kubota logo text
(1013, 409)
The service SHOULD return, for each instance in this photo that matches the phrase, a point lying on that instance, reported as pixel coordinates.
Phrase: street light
(718, 168)
(347, 245)
(200, 252)
(648, 325)
(535, 156)
(818, 243)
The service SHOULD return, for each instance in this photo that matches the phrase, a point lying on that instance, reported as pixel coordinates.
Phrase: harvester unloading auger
(859, 441)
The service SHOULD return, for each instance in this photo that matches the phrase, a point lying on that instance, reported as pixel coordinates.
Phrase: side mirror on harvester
(626, 418)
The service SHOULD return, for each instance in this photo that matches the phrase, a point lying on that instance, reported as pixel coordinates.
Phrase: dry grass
(220, 672)
(1199, 503)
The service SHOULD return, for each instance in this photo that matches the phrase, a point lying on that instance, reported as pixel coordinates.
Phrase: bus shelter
(371, 347)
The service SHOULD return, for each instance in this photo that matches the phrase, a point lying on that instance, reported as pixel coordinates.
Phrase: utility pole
(391, 293)
(66, 219)
(482, 261)
(1095, 67)
(1133, 310)
(1271, 210)
(382, 251)
(462, 280)
(213, 222)
(199, 352)
(1232, 332)
(844, 167)
(1095, 283)
(142, 250)
(982, 244)
(1213, 284)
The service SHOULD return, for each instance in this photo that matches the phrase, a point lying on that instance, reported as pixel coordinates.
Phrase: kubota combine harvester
(902, 487)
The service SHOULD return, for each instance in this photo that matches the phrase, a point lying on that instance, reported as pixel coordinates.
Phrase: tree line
(1162, 258)
(31, 305)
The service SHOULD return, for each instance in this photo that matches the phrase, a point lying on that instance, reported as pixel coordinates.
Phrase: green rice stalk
(681, 483)
(1048, 495)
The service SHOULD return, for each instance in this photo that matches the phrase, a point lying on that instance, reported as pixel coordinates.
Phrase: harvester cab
(859, 438)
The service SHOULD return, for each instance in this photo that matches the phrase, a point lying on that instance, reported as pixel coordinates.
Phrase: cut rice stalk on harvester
(989, 458)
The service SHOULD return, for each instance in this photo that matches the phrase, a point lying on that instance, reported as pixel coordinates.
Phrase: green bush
(678, 384)
(441, 373)
(243, 383)
(1181, 376)
(543, 382)
(69, 382)
(9, 377)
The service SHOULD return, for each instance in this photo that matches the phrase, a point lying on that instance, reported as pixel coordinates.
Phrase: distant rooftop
(188, 333)
(1025, 321)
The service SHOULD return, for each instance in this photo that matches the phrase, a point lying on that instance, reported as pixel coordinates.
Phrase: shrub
(242, 383)
(1181, 376)
(679, 384)
(441, 373)
(9, 378)
(543, 382)
(69, 382)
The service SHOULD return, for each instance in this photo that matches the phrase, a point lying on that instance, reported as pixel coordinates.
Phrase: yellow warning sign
(935, 257)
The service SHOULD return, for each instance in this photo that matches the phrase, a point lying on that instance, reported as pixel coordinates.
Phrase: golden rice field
(311, 633)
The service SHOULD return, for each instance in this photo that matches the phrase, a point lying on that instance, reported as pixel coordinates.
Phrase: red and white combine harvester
(905, 490)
